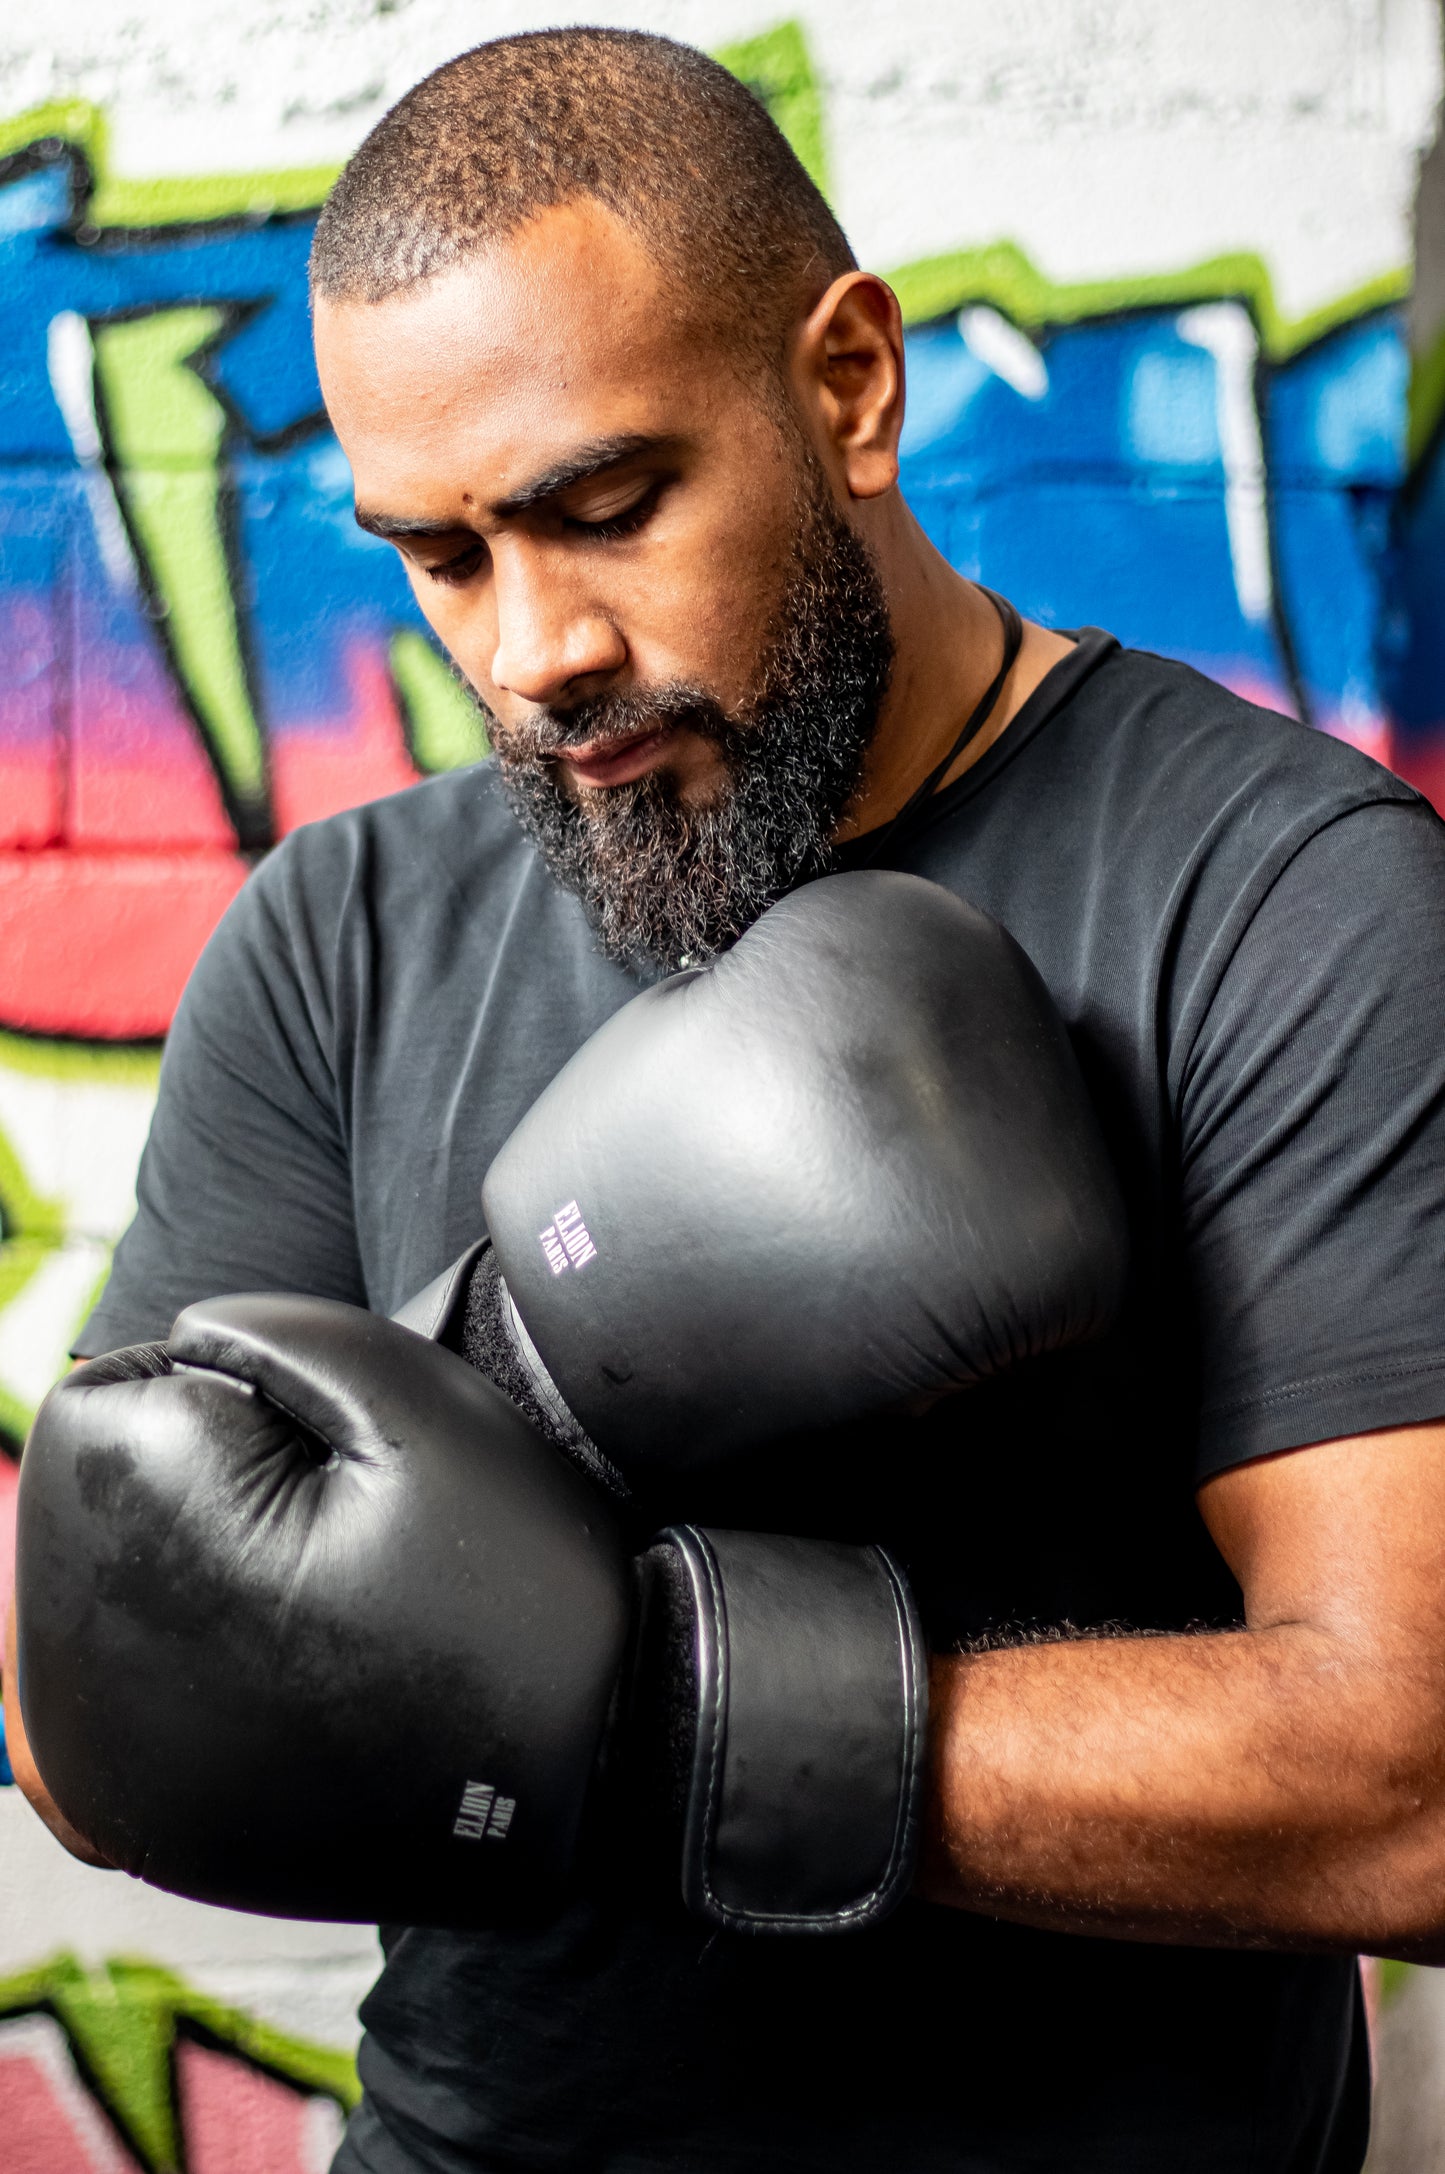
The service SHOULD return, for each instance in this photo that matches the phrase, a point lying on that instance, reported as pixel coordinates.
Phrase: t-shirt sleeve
(245, 1181)
(1312, 1142)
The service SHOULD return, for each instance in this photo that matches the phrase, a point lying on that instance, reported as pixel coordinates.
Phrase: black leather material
(808, 1696)
(849, 1163)
(311, 1622)
(469, 1310)
(438, 1310)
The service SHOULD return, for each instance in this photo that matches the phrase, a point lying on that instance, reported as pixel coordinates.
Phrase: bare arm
(1280, 1786)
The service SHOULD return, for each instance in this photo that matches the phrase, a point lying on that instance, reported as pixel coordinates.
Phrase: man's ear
(848, 370)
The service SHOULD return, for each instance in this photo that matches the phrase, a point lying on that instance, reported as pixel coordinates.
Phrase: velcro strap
(811, 1715)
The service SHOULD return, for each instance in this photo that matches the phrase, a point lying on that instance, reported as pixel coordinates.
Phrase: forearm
(1243, 1789)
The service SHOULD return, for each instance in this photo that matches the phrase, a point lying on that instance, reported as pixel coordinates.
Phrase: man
(609, 379)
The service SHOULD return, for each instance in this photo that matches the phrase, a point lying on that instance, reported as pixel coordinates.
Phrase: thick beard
(668, 885)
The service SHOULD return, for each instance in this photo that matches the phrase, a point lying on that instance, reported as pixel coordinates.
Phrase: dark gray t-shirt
(1242, 924)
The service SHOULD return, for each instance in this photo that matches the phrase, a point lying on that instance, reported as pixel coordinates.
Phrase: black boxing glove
(849, 1164)
(290, 1584)
(782, 1689)
(312, 1623)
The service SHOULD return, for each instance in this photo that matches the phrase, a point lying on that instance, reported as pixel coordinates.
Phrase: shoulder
(1284, 870)
(397, 873)
(1202, 798)
(1141, 822)
(391, 862)
(448, 829)
(1190, 738)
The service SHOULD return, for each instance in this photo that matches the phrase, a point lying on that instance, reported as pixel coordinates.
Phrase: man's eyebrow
(395, 526)
(592, 459)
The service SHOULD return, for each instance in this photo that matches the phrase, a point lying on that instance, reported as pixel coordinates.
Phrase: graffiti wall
(1159, 382)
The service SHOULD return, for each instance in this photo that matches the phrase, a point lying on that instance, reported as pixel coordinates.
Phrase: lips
(616, 762)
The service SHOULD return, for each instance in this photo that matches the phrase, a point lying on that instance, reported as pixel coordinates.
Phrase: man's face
(636, 560)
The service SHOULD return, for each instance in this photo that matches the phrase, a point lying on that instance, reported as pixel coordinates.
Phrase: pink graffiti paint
(31, 795)
(49, 2124)
(319, 769)
(119, 765)
(236, 2121)
(1421, 763)
(134, 780)
(104, 924)
(136, 772)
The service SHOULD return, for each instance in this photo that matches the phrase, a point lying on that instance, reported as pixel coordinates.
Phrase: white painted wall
(306, 1979)
(1108, 137)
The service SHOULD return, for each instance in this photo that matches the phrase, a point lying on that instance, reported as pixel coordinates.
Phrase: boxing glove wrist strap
(801, 1731)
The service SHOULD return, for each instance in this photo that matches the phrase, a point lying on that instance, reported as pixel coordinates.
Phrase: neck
(948, 646)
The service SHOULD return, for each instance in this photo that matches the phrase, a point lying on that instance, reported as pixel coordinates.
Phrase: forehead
(567, 330)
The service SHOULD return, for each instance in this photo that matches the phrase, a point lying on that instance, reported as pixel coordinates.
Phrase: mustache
(604, 719)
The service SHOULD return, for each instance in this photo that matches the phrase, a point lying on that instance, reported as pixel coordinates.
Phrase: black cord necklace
(1013, 635)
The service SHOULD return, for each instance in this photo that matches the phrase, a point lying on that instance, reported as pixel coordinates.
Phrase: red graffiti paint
(100, 944)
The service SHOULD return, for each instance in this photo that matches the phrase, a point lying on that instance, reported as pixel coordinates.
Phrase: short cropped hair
(666, 139)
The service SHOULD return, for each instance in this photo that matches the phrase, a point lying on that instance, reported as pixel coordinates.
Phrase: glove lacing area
(494, 1340)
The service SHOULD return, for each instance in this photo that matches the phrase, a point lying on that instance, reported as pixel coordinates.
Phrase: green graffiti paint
(24, 1212)
(122, 2036)
(117, 201)
(775, 65)
(61, 120)
(1427, 399)
(21, 1260)
(104, 1064)
(34, 1225)
(1004, 277)
(444, 729)
(122, 2022)
(165, 432)
(31, 1226)
(778, 69)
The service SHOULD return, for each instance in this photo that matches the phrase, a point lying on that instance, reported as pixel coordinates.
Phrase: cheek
(707, 603)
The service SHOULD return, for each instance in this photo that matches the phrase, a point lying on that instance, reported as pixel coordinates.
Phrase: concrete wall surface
(1156, 262)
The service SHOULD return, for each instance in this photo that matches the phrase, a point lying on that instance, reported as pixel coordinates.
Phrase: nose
(548, 637)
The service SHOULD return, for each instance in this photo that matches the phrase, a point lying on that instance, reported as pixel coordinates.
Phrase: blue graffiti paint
(1095, 480)
(1172, 408)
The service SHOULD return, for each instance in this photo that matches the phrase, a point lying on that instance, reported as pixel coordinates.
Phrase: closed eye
(451, 571)
(625, 523)
(611, 528)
